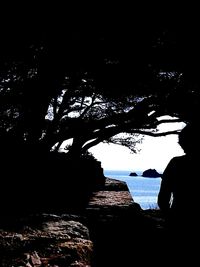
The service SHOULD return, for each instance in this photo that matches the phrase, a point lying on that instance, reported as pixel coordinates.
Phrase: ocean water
(143, 190)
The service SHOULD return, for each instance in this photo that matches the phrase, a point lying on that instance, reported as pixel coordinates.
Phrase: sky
(155, 153)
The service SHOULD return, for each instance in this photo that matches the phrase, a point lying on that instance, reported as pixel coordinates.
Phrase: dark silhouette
(47, 74)
(151, 173)
(133, 174)
(178, 197)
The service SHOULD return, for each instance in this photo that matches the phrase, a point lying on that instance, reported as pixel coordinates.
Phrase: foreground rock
(45, 240)
(111, 231)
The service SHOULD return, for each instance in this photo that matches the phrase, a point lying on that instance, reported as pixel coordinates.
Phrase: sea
(144, 190)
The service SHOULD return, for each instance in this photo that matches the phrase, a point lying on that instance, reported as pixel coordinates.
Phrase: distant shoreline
(144, 190)
(127, 172)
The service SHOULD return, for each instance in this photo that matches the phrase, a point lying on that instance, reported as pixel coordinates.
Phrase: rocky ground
(45, 240)
(112, 231)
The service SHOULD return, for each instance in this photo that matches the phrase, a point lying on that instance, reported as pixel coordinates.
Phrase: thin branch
(156, 134)
(88, 106)
(168, 121)
(55, 105)
(92, 143)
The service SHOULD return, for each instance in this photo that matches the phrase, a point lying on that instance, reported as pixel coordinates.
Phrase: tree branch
(168, 121)
(153, 134)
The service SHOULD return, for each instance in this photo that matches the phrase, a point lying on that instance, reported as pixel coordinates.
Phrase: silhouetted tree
(87, 79)
(93, 83)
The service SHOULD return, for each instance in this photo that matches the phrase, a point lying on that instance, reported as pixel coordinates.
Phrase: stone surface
(115, 185)
(46, 241)
(112, 231)
(110, 198)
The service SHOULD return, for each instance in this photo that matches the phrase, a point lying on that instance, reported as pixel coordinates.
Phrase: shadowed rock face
(50, 185)
(46, 241)
(111, 231)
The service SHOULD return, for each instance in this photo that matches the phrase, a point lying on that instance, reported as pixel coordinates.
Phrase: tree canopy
(89, 82)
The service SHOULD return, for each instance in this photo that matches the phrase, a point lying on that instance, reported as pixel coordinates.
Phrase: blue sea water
(143, 190)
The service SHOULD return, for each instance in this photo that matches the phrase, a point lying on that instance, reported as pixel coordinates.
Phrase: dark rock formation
(55, 184)
(109, 230)
(151, 173)
(119, 228)
(133, 174)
